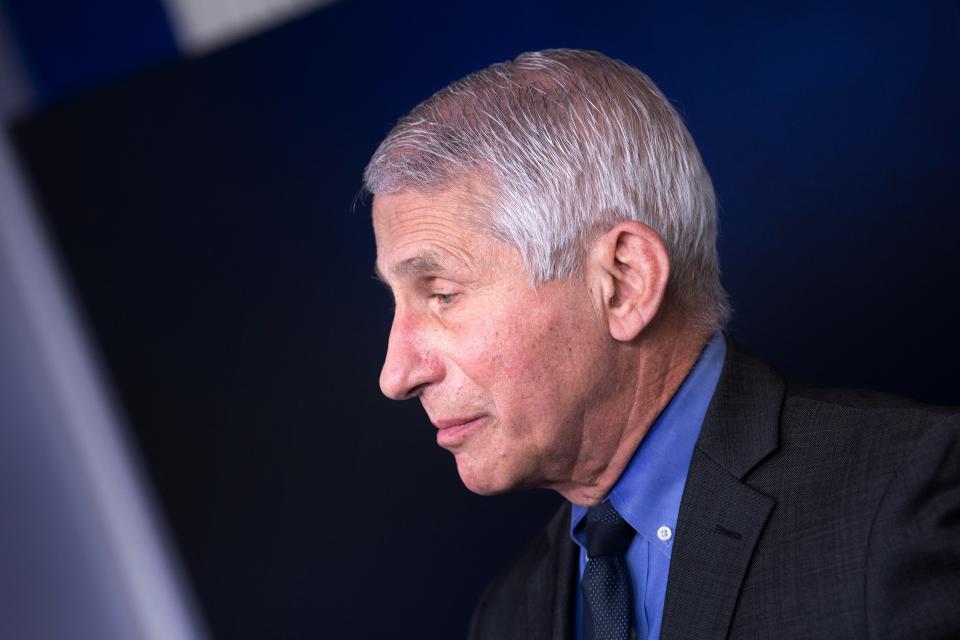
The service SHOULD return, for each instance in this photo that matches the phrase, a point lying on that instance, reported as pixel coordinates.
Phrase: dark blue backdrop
(204, 210)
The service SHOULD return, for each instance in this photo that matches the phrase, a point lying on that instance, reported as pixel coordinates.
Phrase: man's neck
(656, 370)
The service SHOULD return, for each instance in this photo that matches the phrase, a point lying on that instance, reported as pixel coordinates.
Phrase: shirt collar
(649, 491)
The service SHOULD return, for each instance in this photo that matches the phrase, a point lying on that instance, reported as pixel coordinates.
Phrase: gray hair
(559, 146)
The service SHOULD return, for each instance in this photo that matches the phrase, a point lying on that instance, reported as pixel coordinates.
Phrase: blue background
(207, 211)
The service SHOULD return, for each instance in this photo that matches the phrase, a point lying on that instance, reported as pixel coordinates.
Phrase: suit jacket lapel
(550, 589)
(721, 516)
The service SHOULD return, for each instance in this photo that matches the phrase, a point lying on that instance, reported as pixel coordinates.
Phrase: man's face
(511, 375)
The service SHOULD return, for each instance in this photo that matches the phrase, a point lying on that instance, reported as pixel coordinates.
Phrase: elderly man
(548, 230)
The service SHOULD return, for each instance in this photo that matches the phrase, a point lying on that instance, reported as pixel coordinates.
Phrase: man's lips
(453, 431)
(449, 423)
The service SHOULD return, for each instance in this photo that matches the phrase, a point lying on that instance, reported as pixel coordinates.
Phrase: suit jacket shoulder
(778, 531)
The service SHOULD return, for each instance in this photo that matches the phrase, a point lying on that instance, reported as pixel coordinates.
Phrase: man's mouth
(453, 431)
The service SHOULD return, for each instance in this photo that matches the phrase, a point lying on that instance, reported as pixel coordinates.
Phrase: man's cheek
(498, 354)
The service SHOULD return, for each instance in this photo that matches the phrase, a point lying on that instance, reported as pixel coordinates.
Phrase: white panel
(202, 25)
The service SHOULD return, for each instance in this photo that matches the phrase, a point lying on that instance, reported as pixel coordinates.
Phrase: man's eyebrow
(416, 266)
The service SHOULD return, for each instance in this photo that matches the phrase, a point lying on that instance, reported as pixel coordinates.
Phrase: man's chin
(481, 481)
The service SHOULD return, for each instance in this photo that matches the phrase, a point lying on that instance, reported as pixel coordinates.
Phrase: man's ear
(628, 268)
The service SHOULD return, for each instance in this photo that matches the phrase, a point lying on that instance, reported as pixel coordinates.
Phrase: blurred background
(192, 440)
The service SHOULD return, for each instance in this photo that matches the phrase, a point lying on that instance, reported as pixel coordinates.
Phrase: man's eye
(443, 298)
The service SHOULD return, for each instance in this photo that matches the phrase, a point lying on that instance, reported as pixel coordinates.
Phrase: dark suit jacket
(806, 514)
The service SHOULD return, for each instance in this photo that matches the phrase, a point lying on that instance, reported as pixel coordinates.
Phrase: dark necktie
(607, 598)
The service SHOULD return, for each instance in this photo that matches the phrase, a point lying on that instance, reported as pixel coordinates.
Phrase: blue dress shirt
(648, 493)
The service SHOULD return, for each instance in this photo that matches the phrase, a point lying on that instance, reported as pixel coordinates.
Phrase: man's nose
(410, 363)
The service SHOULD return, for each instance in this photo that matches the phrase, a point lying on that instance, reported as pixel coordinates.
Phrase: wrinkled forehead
(408, 210)
(440, 227)
(457, 210)
(440, 232)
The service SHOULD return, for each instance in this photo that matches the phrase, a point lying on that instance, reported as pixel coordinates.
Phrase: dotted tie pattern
(607, 599)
